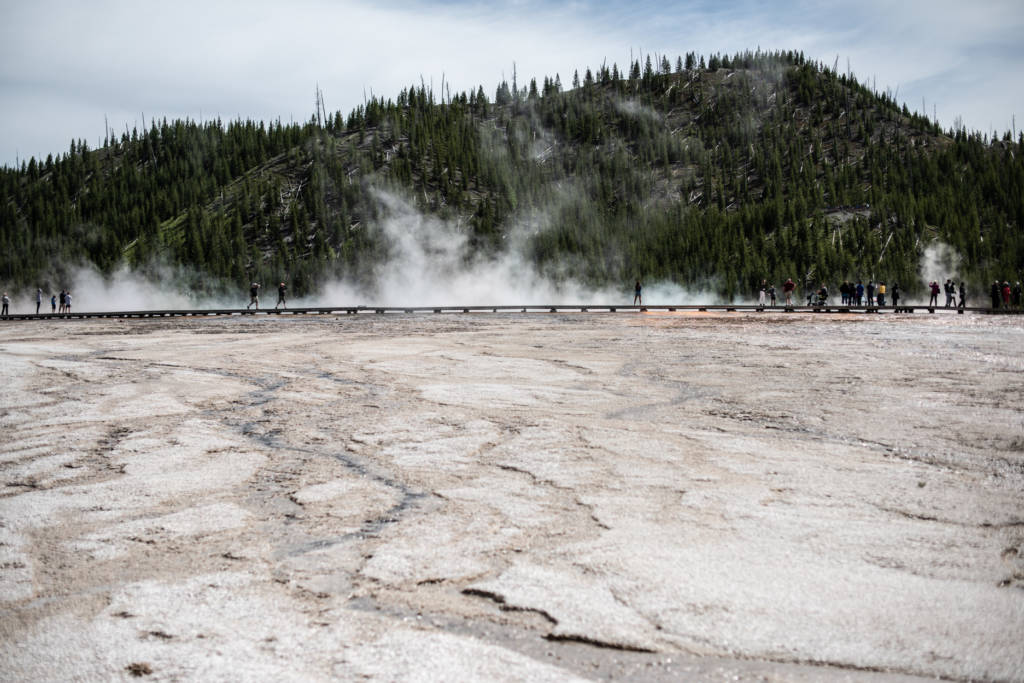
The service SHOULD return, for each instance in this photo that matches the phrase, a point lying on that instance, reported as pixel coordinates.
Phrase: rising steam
(430, 263)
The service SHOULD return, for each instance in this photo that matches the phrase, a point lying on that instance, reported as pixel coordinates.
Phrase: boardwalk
(546, 308)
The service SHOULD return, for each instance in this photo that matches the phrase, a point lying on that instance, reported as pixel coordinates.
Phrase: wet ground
(508, 496)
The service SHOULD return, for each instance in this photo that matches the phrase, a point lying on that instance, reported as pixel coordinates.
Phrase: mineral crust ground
(585, 496)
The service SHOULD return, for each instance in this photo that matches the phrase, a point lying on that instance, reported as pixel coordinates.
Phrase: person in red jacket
(934, 286)
(788, 287)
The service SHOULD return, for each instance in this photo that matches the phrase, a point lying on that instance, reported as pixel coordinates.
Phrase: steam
(938, 263)
(162, 288)
(430, 263)
(637, 110)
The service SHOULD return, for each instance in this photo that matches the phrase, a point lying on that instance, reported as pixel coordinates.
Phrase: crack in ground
(265, 394)
(929, 518)
(504, 606)
(587, 640)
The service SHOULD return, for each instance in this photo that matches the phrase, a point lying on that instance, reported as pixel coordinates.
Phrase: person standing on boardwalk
(881, 293)
(762, 293)
(1015, 295)
(53, 304)
(933, 286)
(254, 295)
(67, 301)
(994, 293)
(963, 295)
(1006, 294)
(281, 289)
(871, 292)
(950, 293)
(788, 287)
(637, 298)
(895, 294)
(39, 299)
(63, 301)
(771, 294)
(6, 303)
(859, 293)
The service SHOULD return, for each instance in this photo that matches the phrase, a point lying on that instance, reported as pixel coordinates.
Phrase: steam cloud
(430, 264)
(428, 267)
(939, 262)
(123, 290)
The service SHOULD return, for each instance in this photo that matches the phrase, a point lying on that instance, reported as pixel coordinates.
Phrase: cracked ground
(513, 497)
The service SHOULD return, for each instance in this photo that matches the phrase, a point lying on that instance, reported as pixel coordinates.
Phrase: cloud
(64, 65)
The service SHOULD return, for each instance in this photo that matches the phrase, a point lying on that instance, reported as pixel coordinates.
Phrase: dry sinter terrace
(560, 496)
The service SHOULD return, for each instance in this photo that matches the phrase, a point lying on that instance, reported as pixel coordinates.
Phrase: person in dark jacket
(254, 295)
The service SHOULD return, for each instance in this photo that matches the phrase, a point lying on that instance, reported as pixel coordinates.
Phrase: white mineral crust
(513, 497)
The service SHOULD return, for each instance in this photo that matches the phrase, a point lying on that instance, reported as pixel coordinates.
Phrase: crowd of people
(64, 305)
(858, 293)
(1005, 296)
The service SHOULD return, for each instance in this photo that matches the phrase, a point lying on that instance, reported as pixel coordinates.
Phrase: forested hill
(720, 171)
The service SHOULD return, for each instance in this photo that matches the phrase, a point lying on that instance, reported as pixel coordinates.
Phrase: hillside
(720, 172)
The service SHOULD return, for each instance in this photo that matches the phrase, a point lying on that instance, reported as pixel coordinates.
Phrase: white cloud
(64, 65)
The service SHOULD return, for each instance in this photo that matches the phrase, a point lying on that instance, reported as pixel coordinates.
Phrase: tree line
(721, 171)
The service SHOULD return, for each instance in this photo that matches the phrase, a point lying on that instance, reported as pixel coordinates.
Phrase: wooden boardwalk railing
(546, 308)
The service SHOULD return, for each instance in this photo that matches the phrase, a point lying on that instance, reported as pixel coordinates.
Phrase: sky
(68, 68)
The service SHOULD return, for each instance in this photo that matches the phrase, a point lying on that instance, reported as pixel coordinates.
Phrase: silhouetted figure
(933, 287)
(6, 302)
(281, 289)
(254, 296)
(53, 304)
(995, 293)
(39, 299)
(950, 293)
(895, 294)
(871, 292)
(637, 298)
(963, 296)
